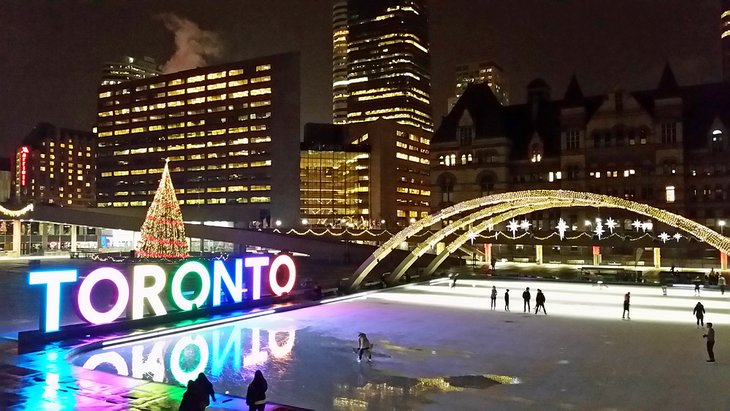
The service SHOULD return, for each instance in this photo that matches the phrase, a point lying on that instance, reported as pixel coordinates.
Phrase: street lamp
(721, 223)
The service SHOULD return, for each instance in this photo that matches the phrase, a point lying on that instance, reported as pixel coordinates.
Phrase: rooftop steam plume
(193, 45)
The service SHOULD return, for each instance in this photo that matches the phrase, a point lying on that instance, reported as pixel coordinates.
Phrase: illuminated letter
(176, 286)
(282, 259)
(257, 263)
(233, 290)
(152, 293)
(51, 315)
(111, 357)
(177, 372)
(153, 365)
(281, 351)
(87, 310)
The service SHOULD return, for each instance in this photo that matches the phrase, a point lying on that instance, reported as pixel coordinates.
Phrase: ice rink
(442, 348)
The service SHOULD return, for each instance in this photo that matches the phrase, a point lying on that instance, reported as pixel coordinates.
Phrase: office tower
(725, 39)
(476, 73)
(129, 68)
(231, 133)
(56, 165)
(387, 62)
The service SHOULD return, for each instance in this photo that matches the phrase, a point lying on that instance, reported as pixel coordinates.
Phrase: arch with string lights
(497, 208)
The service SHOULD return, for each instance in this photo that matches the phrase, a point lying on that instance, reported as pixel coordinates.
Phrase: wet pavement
(436, 348)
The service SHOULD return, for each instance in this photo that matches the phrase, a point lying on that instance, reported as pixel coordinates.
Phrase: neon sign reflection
(180, 360)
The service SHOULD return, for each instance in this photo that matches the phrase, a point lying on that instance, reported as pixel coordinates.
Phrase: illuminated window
(175, 82)
(213, 76)
(196, 79)
(260, 79)
(238, 94)
(263, 67)
(105, 94)
(669, 194)
(195, 89)
(236, 83)
(176, 92)
(261, 91)
(236, 72)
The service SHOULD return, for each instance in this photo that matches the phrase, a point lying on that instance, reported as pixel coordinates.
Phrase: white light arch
(558, 198)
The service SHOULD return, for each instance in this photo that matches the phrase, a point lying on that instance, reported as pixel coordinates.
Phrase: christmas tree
(163, 230)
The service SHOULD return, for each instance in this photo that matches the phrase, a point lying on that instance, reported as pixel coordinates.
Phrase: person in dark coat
(256, 394)
(493, 297)
(540, 302)
(205, 389)
(699, 312)
(191, 398)
(506, 300)
(627, 306)
(526, 300)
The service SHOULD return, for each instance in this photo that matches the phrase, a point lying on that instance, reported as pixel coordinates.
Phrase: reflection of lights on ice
(192, 354)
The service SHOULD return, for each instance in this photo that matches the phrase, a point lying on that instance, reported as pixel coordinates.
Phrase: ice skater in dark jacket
(256, 394)
(526, 300)
(699, 312)
(540, 302)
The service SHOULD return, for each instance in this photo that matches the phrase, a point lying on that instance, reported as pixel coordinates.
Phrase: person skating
(721, 283)
(493, 297)
(526, 300)
(540, 302)
(453, 279)
(627, 300)
(363, 345)
(699, 312)
(710, 336)
(506, 300)
(256, 393)
(697, 282)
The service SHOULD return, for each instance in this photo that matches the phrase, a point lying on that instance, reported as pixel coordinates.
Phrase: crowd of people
(200, 392)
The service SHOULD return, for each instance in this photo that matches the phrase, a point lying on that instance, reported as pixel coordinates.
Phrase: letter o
(87, 310)
(176, 287)
(177, 352)
(285, 260)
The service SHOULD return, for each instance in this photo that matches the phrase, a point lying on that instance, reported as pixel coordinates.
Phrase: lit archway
(525, 202)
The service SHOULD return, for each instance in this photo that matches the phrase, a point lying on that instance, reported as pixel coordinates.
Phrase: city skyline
(60, 59)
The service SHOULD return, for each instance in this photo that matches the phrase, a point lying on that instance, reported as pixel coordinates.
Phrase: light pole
(721, 223)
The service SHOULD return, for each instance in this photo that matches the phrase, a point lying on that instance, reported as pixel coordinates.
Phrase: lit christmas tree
(163, 230)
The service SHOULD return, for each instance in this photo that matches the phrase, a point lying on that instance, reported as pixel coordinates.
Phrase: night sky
(51, 51)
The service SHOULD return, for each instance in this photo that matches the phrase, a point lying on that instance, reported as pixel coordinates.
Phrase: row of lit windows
(415, 159)
(190, 80)
(232, 189)
(411, 214)
(406, 190)
(252, 164)
(240, 200)
(220, 97)
(613, 173)
(235, 130)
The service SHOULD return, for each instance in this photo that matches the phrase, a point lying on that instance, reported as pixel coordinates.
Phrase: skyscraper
(725, 38)
(381, 63)
(129, 68)
(484, 72)
(230, 132)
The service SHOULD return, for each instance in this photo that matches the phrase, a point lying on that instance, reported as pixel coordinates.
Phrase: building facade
(377, 174)
(665, 147)
(56, 165)
(486, 72)
(128, 69)
(381, 63)
(231, 133)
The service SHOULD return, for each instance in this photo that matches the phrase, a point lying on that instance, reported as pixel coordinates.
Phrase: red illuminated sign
(23, 164)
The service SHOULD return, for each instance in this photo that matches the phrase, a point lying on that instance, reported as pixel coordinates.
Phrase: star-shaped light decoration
(637, 224)
(562, 228)
(525, 225)
(599, 230)
(611, 224)
(471, 237)
(513, 226)
(664, 237)
(677, 236)
(647, 226)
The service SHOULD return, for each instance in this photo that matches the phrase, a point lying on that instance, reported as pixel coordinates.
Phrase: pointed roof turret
(574, 94)
(668, 86)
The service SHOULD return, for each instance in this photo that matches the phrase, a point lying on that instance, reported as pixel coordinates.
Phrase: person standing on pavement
(526, 300)
(699, 312)
(540, 302)
(710, 336)
(493, 297)
(506, 300)
(721, 283)
(627, 300)
(256, 393)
